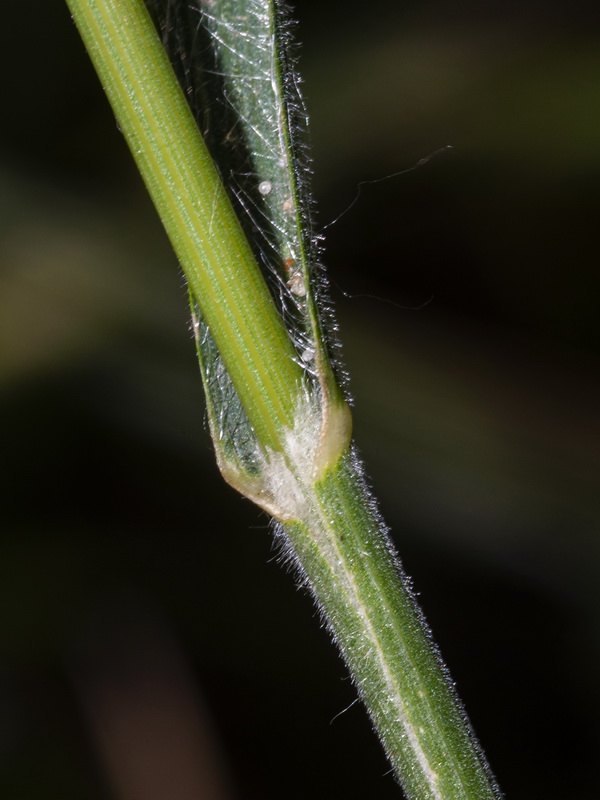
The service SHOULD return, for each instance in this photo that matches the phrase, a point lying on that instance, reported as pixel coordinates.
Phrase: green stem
(195, 210)
(385, 642)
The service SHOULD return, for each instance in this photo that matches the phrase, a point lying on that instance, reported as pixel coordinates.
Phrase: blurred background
(150, 644)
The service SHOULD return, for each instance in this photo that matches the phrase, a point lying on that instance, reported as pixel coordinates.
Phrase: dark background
(147, 633)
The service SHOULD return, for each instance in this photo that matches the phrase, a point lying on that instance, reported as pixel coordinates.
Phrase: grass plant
(234, 204)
